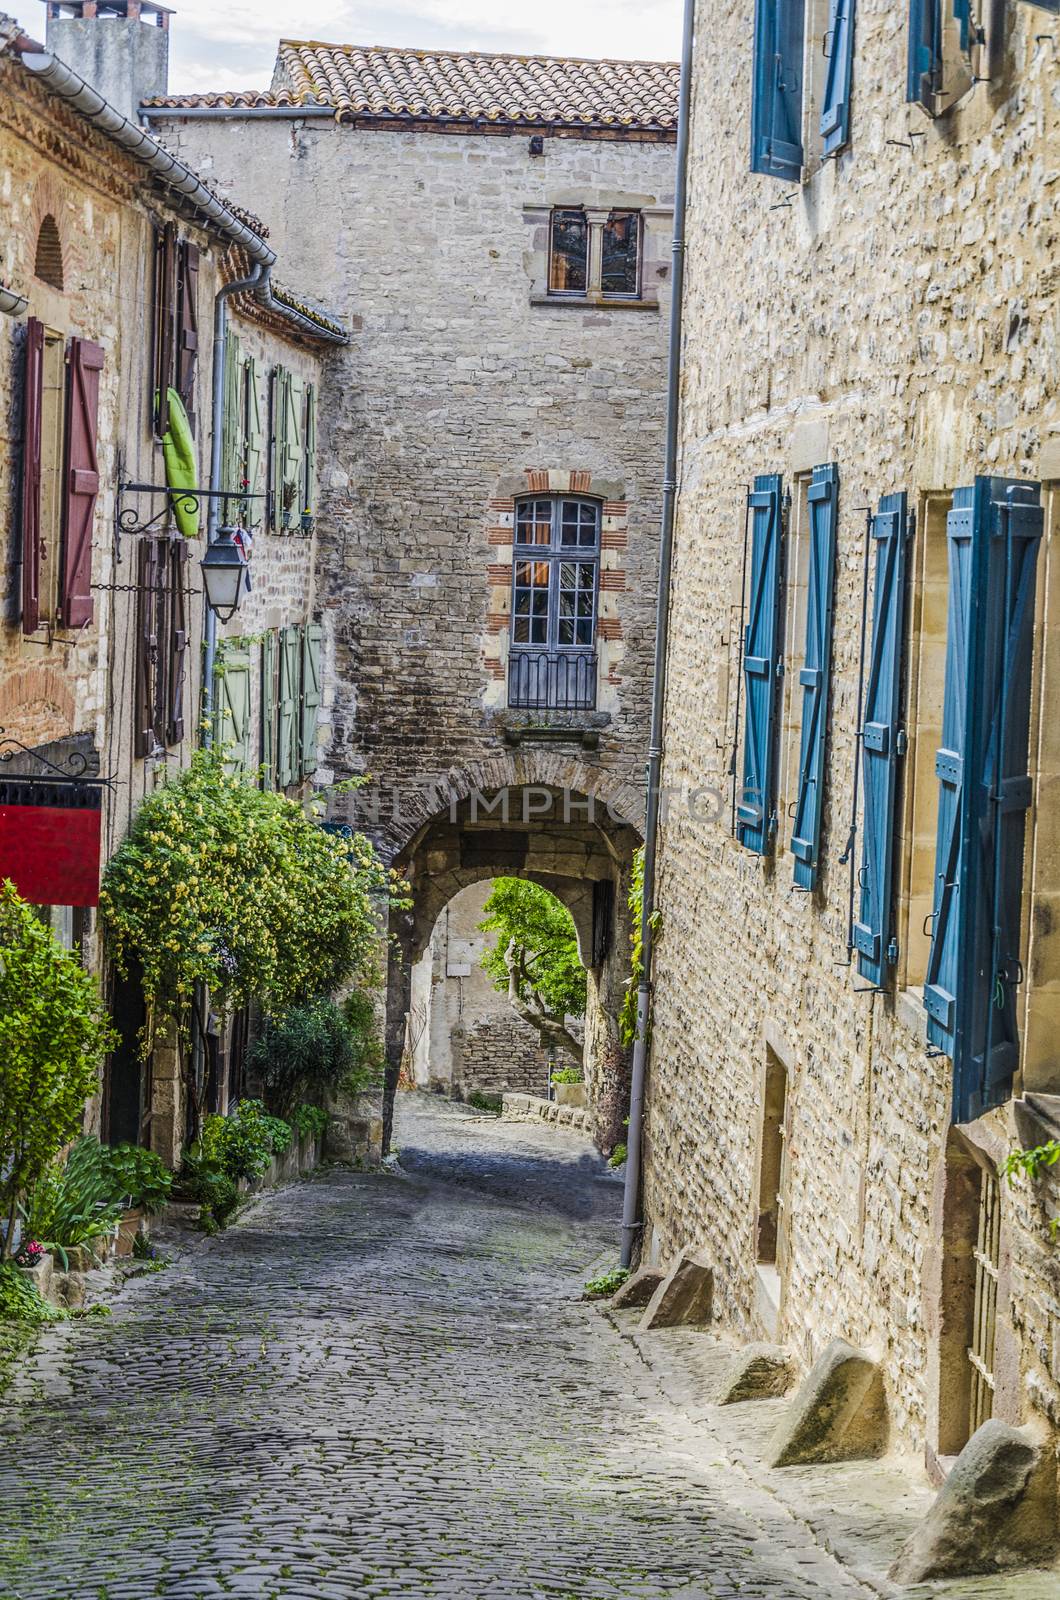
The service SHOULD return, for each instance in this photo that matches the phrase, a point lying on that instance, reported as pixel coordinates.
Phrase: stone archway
(578, 842)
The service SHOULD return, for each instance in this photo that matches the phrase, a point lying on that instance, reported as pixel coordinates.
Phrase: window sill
(591, 302)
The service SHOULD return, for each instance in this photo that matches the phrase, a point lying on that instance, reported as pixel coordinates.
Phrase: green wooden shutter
(310, 696)
(268, 710)
(232, 444)
(232, 700)
(288, 719)
(255, 446)
(278, 424)
(816, 674)
(995, 530)
(293, 464)
(310, 501)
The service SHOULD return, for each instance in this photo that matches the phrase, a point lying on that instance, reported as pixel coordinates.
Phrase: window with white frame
(555, 578)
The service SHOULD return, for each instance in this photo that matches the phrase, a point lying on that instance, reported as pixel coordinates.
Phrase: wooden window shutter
(755, 820)
(178, 639)
(835, 112)
(288, 719)
(32, 392)
(277, 448)
(311, 635)
(268, 710)
(882, 740)
(815, 676)
(81, 485)
(310, 493)
(994, 534)
(165, 332)
(293, 451)
(924, 68)
(776, 90)
(255, 445)
(232, 424)
(149, 579)
(232, 700)
(188, 326)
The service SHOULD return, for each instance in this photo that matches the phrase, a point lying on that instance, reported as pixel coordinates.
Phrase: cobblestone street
(381, 1386)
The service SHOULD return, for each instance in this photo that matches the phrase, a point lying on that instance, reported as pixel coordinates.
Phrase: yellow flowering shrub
(237, 888)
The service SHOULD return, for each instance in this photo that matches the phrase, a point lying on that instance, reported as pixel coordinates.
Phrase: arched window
(48, 261)
(555, 573)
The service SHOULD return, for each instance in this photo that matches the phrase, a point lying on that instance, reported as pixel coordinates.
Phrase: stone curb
(531, 1108)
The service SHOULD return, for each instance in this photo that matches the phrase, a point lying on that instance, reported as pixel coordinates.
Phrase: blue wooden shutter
(881, 740)
(835, 112)
(1047, 5)
(816, 674)
(776, 94)
(755, 820)
(924, 75)
(995, 531)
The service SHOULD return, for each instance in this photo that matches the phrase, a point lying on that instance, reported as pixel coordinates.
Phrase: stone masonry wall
(897, 314)
(499, 1054)
(456, 386)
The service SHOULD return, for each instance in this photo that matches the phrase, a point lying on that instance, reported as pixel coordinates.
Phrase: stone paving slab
(388, 1386)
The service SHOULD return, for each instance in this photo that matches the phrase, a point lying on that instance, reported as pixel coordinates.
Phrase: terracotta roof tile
(465, 87)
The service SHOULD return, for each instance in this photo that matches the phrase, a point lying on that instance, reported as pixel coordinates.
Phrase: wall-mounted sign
(50, 840)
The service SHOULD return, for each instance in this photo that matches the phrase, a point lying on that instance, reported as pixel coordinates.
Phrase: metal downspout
(631, 1199)
(257, 280)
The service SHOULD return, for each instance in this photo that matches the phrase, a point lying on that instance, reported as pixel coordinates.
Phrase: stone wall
(897, 314)
(499, 1054)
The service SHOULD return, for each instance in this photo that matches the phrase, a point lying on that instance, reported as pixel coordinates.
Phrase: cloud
(233, 45)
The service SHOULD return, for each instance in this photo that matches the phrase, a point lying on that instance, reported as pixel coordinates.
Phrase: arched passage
(576, 844)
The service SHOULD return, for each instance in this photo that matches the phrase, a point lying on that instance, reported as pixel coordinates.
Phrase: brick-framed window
(594, 254)
(555, 585)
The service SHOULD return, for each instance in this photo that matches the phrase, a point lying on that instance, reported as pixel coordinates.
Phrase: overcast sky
(230, 44)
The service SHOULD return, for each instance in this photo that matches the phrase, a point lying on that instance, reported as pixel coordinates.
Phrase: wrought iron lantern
(224, 574)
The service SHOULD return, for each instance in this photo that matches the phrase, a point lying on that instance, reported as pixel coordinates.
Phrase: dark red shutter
(188, 343)
(178, 638)
(31, 453)
(82, 481)
(165, 328)
(146, 742)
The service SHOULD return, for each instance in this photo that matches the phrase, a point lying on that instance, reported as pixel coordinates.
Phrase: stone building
(857, 978)
(498, 230)
(112, 255)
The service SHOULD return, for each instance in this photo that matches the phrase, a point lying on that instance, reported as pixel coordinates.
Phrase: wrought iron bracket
(131, 521)
(72, 774)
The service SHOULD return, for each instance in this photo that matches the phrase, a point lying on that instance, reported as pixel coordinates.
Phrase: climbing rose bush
(53, 1035)
(238, 888)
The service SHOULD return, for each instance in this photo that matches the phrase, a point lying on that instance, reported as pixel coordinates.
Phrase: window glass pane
(569, 258)
(533, 522)
(566, 630)
(621, 253)
(521, 633)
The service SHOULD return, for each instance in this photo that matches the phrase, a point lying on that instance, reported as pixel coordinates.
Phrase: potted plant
(569, 1087)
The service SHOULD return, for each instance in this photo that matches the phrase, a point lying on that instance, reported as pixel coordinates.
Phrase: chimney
(120, 47)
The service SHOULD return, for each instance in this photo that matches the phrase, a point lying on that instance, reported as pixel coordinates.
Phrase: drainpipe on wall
(257, 280)
(631, 1223)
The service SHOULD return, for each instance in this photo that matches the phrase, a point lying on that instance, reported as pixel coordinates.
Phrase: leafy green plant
(618, 1156)
(604, 1285)
(73, 1202)
(205, 1183)
(318, 1047)
(227, 887)
(568, 1075)
(140, 1175)
(535, 957)
(1033, 1164)
(53, 1035)
(243, 1143)
(627, 1017)
(310, 1121)
(21, 1300)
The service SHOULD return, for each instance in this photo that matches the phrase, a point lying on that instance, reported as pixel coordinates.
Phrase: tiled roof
(466, 87)
(244, 99)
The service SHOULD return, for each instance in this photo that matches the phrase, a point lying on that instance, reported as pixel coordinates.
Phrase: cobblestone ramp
(374, 1387)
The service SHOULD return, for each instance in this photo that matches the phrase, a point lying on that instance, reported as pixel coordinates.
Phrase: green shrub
(204, 1182)
(53, 1035)
(605, 1284)
(20, 1300)
(315, 1048)
(73, 1202)
(140, 1175)
(568, 1075)
(243, 1143)
(617, 1156)
(485, 1102)
(311, 1121)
